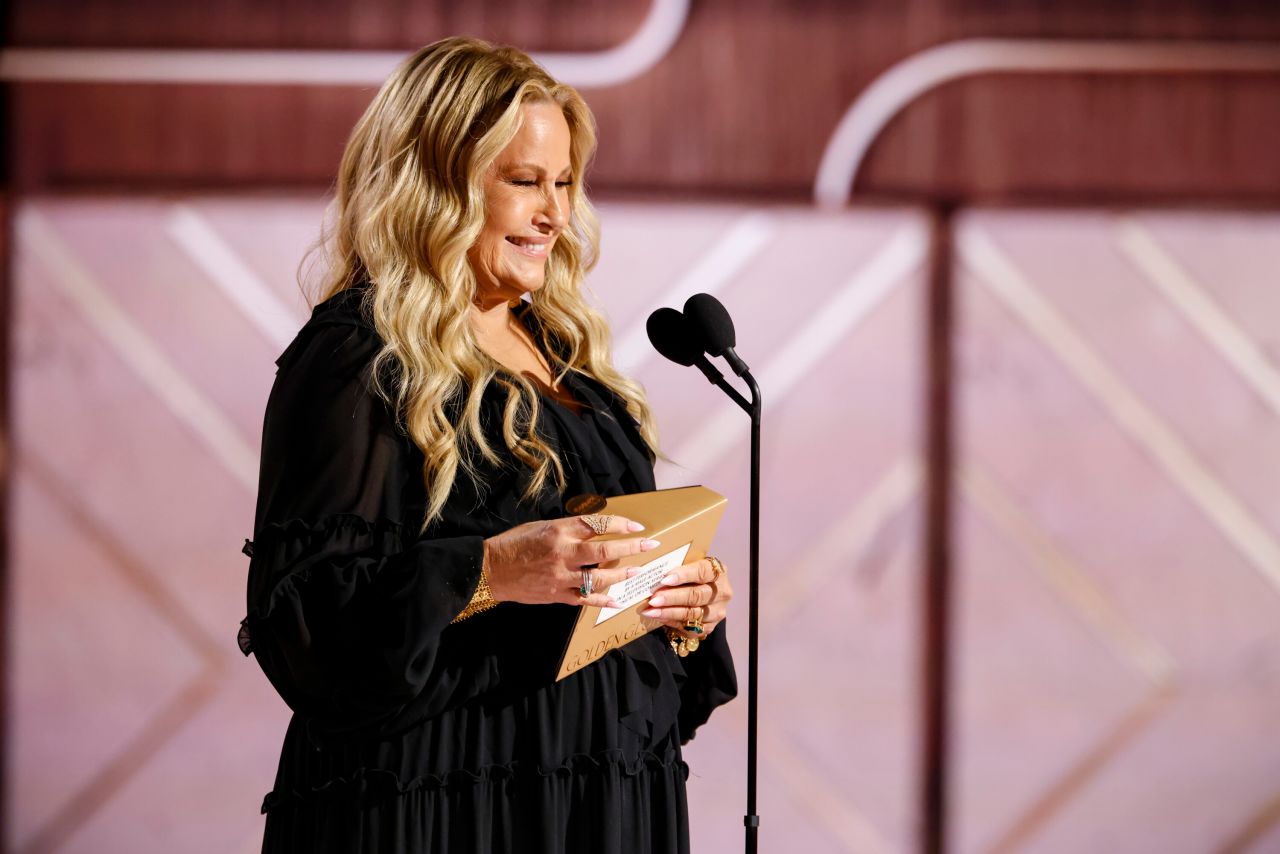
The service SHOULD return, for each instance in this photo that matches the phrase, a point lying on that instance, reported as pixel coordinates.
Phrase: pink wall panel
(1108, 405)
(142, 371)
(1116, 643)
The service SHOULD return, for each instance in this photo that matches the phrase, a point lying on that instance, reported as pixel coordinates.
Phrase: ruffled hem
(379, 532)
(367, 785)
(308, 543)
(291, 527)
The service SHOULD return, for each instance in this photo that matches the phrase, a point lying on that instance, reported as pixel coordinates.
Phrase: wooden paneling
(329, 24)
(1086, 138)
(743, 104)
(161, 136)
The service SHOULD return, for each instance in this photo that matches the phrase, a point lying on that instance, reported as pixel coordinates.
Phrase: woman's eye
(529, 182)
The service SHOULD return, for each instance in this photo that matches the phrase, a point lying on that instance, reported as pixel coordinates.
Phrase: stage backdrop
(1118, 533)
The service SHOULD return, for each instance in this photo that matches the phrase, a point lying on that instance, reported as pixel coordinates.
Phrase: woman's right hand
(541, 562)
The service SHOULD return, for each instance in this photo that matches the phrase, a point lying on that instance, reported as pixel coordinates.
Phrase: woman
(425, 431)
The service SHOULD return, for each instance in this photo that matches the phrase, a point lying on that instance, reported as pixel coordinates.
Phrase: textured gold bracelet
(680, 644)
(482, 600)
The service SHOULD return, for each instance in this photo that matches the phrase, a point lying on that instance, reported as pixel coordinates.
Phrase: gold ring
(599, 524)
(694, 624)
(717, 567)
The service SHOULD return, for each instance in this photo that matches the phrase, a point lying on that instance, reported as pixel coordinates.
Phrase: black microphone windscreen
(710, 321)
(670, 335)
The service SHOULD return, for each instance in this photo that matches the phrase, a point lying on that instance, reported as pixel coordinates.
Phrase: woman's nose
(554, 208)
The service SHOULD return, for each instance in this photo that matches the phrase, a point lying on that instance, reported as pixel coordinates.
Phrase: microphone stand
(751, 820)
(754, 408)
(665, 319)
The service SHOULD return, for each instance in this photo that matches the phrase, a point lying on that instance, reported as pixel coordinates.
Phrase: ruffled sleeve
(710, 682)
(347, 602)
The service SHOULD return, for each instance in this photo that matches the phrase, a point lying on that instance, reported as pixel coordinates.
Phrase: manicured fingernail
(651, 612)
(634, 526)
(670, 580)
(634, 571)
(649, 545)
(612, 603)
(656, 601)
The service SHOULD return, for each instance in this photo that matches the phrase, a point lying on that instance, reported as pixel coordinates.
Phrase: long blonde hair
(409, 204)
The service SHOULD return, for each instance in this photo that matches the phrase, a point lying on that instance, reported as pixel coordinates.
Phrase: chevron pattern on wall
(1117, 536)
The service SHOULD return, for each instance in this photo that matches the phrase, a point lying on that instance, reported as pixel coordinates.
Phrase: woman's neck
(492, 320)
(501, 336)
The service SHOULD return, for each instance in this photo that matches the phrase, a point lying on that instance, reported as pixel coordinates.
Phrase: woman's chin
(530, 285)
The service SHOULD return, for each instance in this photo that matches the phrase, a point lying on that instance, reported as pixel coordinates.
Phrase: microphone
(671, 336)
(674, 337)
(710, 320)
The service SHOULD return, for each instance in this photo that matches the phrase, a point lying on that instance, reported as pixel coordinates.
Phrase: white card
(629, 591)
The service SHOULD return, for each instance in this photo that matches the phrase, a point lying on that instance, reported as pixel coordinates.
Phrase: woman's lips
(533, 248)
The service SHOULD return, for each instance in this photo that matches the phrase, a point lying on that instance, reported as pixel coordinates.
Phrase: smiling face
(526, 207)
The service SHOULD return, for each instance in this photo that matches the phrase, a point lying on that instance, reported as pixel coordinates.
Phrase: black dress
(411, 734)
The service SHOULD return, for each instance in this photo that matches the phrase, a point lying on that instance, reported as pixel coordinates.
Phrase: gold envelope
(684, 520)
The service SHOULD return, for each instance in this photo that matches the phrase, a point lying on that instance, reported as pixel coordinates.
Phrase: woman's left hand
(694, 590)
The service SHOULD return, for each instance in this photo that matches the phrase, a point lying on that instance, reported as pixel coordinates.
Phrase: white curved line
(896, 88)
(644, 49)
(651, 42)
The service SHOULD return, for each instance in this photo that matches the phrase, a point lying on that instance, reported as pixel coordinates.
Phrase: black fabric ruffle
(374, 785)
(345, 617)
(600, 803)
(300, 546)
(581, 744)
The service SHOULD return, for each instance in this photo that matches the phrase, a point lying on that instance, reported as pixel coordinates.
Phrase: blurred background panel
(1119, 539)
(742, 100)
(1021, 257)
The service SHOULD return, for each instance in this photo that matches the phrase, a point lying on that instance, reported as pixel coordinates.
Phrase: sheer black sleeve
(710, 682)
(346, 601)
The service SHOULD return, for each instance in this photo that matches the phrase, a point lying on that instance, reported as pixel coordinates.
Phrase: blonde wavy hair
(409, 204)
